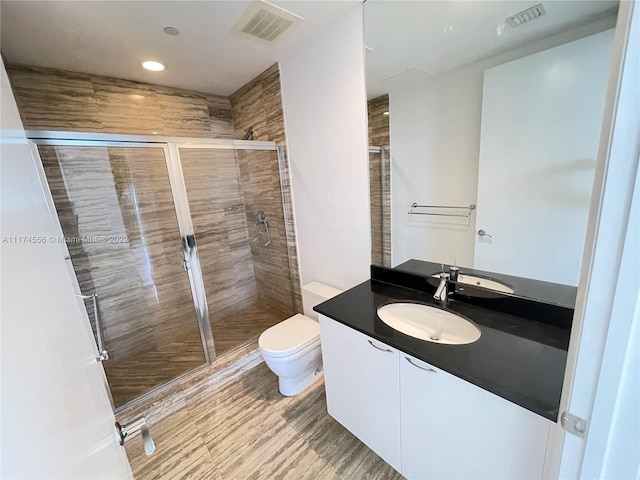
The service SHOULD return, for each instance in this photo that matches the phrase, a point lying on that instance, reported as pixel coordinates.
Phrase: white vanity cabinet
(423, 421)
(454, 429)
(362, 380)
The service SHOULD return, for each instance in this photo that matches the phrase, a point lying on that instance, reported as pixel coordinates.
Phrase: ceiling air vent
(526, 15)
(265, 22)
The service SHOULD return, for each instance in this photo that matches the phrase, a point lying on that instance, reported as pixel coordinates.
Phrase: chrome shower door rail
(44, 137)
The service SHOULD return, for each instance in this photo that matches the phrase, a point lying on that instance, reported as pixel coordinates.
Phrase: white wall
(435, 141)
(323, 86)
(57, 421)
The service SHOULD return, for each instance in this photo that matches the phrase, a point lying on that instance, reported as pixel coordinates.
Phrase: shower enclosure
(179, 248)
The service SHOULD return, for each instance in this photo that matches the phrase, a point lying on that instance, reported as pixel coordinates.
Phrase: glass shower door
(236, 206)
(117, 212)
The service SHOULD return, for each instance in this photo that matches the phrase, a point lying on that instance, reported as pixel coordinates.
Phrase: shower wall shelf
(415, 206)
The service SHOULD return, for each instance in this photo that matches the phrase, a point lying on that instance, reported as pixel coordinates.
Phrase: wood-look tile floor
(247, 430)
(245, 325)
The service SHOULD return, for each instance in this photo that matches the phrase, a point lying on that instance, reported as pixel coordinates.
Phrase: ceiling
(112, 38)
(411, 41)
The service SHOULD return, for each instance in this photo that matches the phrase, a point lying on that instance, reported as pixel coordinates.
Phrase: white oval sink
(429, 323)
(484, 283)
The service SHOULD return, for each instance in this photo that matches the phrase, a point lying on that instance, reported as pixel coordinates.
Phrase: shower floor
(236, 330)
(133, 377)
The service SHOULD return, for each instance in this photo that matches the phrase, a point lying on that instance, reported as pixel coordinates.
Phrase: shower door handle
(190, 241)
(188, 244)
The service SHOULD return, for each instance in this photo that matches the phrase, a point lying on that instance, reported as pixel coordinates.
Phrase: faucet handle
(453, 273)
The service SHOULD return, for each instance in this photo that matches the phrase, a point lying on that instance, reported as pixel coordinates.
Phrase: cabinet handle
(379, 348)
(427, 369)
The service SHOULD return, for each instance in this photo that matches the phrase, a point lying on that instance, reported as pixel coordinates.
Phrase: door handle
(137, 426)
(482, 233)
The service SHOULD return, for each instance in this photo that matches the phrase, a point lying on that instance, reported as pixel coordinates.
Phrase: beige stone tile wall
(258, 105)
(50, 99)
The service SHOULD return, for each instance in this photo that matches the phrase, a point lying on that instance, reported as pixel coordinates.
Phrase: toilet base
(293, 386)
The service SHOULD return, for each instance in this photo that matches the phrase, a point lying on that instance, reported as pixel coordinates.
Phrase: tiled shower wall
(258, 105)
(379, 192)
(51, 99)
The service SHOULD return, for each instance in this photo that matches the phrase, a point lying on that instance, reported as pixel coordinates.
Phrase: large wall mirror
(484, 128)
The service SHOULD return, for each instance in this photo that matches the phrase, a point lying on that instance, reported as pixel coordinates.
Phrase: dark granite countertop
(519, 359)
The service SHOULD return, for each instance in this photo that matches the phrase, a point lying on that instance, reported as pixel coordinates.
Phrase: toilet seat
(289, 336)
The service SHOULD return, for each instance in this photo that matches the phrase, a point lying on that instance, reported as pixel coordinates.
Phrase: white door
(602, 385)
(538, 149)
(57, 420)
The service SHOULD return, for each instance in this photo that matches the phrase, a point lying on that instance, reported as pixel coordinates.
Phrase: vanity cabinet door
(362, 385)
(454, 429)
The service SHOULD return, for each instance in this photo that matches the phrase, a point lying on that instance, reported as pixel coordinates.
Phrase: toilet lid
(290, 336)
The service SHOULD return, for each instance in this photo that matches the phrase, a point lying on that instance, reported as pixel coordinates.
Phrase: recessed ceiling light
(171, 31)
(385, 113)
(153, 66)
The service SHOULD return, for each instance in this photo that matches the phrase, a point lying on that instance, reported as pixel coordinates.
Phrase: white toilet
(291, 348)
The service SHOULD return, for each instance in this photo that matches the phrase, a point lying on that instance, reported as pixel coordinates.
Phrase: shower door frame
(171, 147)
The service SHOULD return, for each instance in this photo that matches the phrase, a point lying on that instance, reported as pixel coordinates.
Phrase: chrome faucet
(442, 292)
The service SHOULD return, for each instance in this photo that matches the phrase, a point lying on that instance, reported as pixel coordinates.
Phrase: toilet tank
(315, 293)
